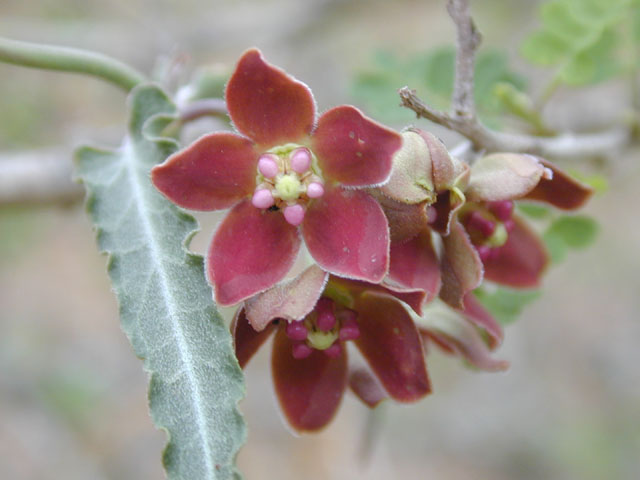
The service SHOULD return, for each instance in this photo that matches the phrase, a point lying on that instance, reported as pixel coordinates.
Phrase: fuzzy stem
(69, 60)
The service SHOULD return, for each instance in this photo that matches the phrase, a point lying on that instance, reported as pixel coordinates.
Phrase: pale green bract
(166, 305)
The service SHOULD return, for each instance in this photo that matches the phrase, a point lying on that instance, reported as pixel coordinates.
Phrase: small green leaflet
(165, 303)
(505, 304)
(533, 210)
(580, 38)
(569, 232)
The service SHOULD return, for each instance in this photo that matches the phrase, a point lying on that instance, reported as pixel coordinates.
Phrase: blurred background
(72, 394)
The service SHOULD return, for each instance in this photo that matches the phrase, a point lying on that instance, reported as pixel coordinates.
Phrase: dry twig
(462, 117)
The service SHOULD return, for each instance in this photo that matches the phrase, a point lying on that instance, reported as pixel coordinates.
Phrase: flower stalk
(73, 60)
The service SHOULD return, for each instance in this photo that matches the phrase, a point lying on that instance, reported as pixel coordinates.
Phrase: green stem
(548, 91)
(69, 60)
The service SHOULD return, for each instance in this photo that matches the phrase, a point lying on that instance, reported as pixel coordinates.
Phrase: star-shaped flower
(313, 317)
(284, 170)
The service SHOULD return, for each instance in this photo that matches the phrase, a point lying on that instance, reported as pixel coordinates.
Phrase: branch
(37, 178)
(69, 60)
(463, 120)
(214, 107)
(561, 146)
(468, 39)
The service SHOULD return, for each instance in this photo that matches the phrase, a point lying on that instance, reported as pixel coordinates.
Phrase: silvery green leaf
(165, 303)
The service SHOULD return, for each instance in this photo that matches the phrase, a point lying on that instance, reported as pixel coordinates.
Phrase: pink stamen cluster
(328, 318)
(481, 228)
(294, 168)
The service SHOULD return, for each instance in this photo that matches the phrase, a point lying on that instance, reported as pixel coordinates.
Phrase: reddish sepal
(520, 262)
(246, 340)
(213, 173)
(353, 149)
(251, 251)
(347, 234)
(268, 105)
(414, 264)
(392, 346)
(309, 389)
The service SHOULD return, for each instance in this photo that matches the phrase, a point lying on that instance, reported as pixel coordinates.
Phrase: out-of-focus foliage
(562, 232)
(431, 74)
(582, 39)
(18, 229)
(25, 119)
(534, 210)
(209, 82)
(505, 304)
(569, 232)
(595, 180)
(74, 394)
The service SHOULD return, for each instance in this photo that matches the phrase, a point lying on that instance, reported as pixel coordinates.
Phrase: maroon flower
(309, 356)
(472, 211)
(469, 332)
(282, 171)
(511, 253)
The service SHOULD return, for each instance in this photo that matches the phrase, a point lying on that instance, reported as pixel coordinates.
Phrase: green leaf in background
(569, 232)
(533, 210)
(579, 38)
(635, 24)
(20, 227)
(431, 74)
(505, 304)
(165, 302)
(596, 181)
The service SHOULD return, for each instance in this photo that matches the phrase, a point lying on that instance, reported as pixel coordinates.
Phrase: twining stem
(73, 60)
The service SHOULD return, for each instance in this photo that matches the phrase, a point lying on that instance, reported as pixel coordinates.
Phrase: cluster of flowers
(399, 233)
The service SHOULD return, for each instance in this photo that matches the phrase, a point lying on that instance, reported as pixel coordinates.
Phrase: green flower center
(288, 187)
(322, 340)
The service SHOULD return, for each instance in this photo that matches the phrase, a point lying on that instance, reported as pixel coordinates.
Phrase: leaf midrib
(141, 200)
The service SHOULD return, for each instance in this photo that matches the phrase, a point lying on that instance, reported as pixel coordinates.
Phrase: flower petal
(310, 389)
(503, 176)
(392, 346)
(213, 173)
(268, 105)
(561, 191)
(251, 251)
(521, 261)
(346, 291)
(481, 318)
(246, 340)
(415, 298)
(353, 149)
(291, 300)
(366, 387)
(347, 234)
(451, 330)
(429, 337)
(411, 179)
(446, 206)
(405, 220)
(444, 169)
(414, 264)
(461, 266)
